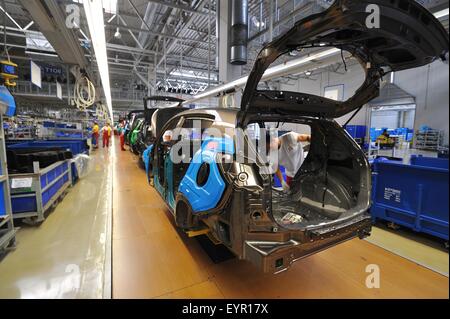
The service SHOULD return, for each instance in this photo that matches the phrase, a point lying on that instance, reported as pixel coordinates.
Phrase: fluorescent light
(441, 14)
(94, 17)
(53, 55)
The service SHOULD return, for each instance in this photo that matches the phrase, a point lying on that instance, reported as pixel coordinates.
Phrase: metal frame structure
(36, 191)
(7, 230)
(160, 44)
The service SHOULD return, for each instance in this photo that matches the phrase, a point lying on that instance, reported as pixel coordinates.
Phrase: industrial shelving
(7, 230)
(429, 140)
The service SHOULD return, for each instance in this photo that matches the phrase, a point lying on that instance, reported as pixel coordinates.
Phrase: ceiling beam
(181, 7)
(162, 35)
(185, 24)
(62, 39)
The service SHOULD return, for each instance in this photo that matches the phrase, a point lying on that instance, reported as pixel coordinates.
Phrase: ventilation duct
(239, 32)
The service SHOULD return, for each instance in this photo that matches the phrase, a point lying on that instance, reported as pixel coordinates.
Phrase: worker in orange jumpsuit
(95, 134)
(107, 132)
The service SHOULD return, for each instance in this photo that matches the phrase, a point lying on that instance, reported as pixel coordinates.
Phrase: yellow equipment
(385, 141)
(8, 72)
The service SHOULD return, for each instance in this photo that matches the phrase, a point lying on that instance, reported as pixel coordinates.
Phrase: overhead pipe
(239, 32)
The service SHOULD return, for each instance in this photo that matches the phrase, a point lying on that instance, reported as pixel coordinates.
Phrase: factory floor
(153, 259)
(69, 254)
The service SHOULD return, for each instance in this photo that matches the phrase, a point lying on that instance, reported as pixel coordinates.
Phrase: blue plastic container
(8, 100)
(24, 204)
(48, 124)
(75, 146)
(413, 195)
(357, 131)
(420, 160)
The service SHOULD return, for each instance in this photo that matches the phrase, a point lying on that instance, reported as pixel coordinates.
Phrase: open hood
(408, 36)
(162, 99)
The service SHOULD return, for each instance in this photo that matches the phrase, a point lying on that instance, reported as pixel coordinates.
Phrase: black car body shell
(244, 221)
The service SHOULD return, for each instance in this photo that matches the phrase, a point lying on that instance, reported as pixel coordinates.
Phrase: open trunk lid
(162, 99)
(150, 111)
(407, 36)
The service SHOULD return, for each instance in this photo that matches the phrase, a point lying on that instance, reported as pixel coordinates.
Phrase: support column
(227, 71)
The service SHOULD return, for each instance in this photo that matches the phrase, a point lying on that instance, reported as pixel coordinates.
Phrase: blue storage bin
(43, 181)
(76, 146)
(58, 170)
(412, 195)
(420, 160)
(351, 129)
(409, 137)
(357, 132)
(48, 124)
(50, 175)
(45, 197)
(23, 204)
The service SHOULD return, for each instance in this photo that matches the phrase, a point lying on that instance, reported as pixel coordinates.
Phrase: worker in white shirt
(290, 156)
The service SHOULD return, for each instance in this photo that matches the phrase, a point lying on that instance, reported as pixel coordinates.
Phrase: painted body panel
(203, 198)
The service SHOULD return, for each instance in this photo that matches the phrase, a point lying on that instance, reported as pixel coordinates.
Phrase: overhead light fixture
(94, 17)
(308, 73)
(441, 14)
(118, 35)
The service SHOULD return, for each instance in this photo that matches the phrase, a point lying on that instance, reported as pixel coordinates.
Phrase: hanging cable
(83, 92)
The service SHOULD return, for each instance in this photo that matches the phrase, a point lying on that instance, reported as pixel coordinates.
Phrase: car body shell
(234, 201)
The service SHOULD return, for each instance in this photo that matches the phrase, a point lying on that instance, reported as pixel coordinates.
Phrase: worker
(167, 137)
(290, 156)
(121, 132)
(95, 134)
(385, 133)
(107, 132)
(385, 140)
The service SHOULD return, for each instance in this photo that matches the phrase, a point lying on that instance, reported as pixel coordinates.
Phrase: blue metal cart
(32, 195)
(413, 195)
